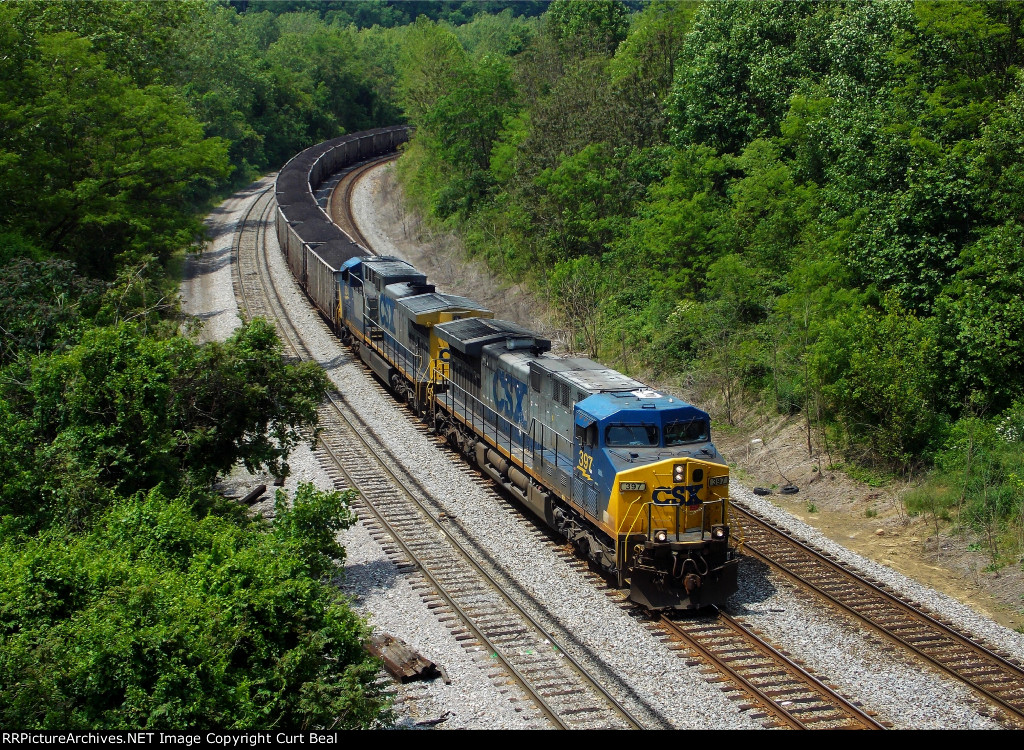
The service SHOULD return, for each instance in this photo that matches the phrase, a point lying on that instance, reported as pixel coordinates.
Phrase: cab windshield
(679, 433)
(631, 435)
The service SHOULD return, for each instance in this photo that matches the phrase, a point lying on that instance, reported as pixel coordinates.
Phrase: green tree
(135, 38)
(122, 412)
(717, 330)
(162, 615)
(218, 66)
(683, 227)
(582, 203)
(593, 27)
(96, 167)
(877, 371)
(744, 61)
(576, 288)
(646, 63)
(463, 126)
(431, 66)
(980, 317)
(503, 34)
(43, 305)
(772, 214)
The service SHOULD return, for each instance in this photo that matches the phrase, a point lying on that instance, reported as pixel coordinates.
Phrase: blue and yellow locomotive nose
(680, 499)
(672, 527)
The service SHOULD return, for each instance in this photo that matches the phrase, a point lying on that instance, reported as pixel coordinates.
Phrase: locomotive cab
(667, 487)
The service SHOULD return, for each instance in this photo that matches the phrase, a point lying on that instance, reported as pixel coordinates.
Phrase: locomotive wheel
(398, 386)
(453, 437)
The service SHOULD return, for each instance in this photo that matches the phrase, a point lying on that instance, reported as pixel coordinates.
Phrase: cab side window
(587, 436)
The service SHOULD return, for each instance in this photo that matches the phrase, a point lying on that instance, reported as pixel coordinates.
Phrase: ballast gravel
(883, 679)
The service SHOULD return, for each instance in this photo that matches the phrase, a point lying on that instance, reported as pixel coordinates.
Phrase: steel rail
(293, 340)
(795, 670)
(819, 560)
(340, 211)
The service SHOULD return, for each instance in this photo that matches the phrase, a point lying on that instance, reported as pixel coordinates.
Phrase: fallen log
(404, 664)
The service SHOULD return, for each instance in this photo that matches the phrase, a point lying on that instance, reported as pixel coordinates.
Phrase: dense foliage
(168, 614)
(392, 13)
(132, 595)
(813, 204)
(122, 412)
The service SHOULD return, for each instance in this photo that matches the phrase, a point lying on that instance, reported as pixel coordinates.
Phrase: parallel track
(772, 685)
(563, 691)
(800, 700)
(776, 689)
(993, 676)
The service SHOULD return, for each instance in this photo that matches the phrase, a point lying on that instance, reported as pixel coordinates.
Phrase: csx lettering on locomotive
(387, 314)
(508, 397)
(680, 494)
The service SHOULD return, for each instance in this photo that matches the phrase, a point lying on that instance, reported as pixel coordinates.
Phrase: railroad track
(465, 590)
(996, 677)
(775, 689)
(991, 675)
(335, 196)
(784, 695)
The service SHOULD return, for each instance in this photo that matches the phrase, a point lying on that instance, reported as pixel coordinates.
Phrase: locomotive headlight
(679, 473)
(660, 535)
(719, 532)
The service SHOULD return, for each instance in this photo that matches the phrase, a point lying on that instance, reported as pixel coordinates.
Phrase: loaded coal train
(628, 475)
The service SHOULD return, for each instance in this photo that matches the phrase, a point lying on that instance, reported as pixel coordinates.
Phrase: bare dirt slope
(768, 451)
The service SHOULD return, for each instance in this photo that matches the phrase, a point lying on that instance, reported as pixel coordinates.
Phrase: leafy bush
(162, 617)
(123, 412)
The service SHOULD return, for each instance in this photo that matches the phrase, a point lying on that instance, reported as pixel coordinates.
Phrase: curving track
(997, 678)
(339, 202)
(789, 695)
(456, 576)
(772, 685)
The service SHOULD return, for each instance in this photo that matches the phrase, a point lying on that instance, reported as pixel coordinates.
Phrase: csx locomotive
(628, 475)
